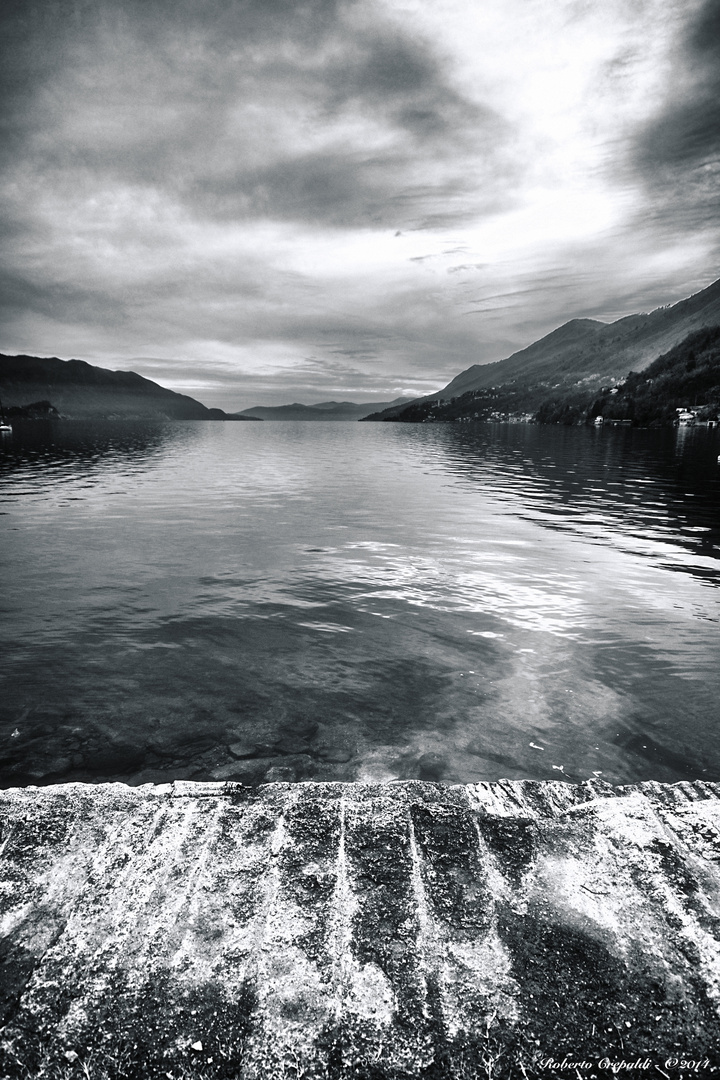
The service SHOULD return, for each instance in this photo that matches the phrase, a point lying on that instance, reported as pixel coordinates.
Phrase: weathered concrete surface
(375, 931)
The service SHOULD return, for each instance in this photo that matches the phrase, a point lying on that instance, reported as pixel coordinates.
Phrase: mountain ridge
(582, 353)
(323, 410)
(684, 380)
(560, 340)
(79, 390)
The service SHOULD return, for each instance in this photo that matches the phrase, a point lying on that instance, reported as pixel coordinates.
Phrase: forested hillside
(575, 360)
(75, 389)
(687, 376)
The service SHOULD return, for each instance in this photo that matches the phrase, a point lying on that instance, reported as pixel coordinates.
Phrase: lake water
(333, 601)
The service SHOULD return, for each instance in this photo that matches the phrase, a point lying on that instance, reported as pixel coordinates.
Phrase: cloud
(395, 190)
(677, 151)
(319, 112)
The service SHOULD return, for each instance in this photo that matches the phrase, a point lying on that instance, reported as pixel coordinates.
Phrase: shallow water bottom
(375, 602)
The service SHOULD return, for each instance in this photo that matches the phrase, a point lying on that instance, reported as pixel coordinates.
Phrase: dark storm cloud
(54, 299)
(367, 352)
(219, 105)
(138, 132)
(395, 85)
(339, 188)
(401, 79)
(686, 132)
(242, 184)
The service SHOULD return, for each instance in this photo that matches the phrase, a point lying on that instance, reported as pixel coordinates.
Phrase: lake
(348, 601)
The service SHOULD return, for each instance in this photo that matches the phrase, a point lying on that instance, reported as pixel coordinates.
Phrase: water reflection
(646, 487)
(41, 449)
(359, 601)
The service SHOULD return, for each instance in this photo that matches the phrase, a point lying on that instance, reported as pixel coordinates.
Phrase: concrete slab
(391, 931)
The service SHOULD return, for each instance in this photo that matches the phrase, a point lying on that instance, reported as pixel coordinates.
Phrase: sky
(266, 201)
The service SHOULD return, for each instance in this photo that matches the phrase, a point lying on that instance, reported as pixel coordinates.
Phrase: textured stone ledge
(355, 930)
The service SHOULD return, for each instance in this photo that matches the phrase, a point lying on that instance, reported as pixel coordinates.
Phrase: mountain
(583, 354)
(686, 378)
(78, 390)
(323, 410)
(562, 346)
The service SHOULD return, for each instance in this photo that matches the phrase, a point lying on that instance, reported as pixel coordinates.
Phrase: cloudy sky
(262, 201)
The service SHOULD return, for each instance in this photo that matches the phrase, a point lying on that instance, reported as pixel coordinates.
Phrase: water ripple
(358, 601)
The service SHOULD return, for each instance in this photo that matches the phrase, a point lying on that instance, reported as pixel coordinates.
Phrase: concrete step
(393, 931)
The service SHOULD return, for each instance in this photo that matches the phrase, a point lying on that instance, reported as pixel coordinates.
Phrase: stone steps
(393, 931)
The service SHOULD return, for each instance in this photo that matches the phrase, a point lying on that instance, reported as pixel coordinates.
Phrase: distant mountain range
(582, 355)
(37, 387)
(81, 391)
(555, 376)
(324, 410)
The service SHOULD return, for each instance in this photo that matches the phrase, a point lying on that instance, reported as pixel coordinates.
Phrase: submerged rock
(335, 755)
(358, 930)
(292, 744)
(246, 771)
(242, 749)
